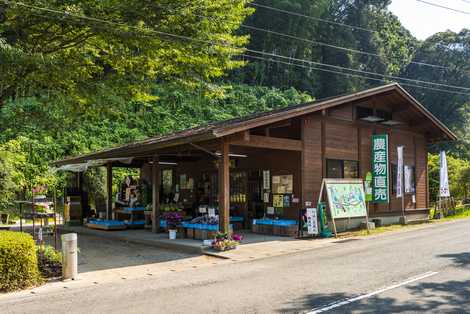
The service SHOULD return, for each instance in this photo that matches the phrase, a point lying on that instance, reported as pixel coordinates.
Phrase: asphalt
(425, 270)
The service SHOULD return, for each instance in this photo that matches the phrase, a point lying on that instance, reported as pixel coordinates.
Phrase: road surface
(420, 271)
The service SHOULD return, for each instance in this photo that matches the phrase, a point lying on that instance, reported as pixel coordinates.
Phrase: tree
(387, 48)
(92, 50)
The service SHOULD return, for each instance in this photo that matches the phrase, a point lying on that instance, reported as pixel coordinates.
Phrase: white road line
(371, 294)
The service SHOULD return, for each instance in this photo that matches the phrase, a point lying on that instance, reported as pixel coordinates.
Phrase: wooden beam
(109, 190)
(224, 187)
(155, 195)
(204, 150)
(270, 143)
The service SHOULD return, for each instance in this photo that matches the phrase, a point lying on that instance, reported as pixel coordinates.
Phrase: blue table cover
(201, 226)
(107, 222)
(275, 222)
(236, 219)
(133, 209)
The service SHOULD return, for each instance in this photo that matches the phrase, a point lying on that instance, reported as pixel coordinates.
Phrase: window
(347, 169)
(364, 112)
(384, 114)
(334, 168)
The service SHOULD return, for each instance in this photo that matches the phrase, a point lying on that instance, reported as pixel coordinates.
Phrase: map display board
(346, 198)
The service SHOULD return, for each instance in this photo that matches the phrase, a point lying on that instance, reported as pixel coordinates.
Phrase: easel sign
(346, 199)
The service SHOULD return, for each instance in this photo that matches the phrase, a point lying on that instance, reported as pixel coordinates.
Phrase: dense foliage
(18, 261)
(37, 130)
(459, 177)
(84, 75)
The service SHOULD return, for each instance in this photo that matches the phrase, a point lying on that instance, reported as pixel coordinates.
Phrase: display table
(201, 231)
(237, 222)
(280, 227)
(131, 213)
(106, 224)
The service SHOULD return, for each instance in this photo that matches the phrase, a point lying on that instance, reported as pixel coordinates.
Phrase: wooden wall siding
(344, 112)
(398, 138)
(341, 141)
(365, 162)
(421, 173)
(311, 158)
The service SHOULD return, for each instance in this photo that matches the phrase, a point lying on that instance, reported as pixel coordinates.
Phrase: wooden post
(155, 195)
(109, 190)
(224, 188)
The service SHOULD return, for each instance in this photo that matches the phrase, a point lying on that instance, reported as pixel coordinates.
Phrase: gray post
(69, 256)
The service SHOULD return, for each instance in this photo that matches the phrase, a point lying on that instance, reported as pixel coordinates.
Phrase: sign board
(270, 210)
(380, 175)
(278, 200)
(312, 221)
(283, 184)
(211, 211)
(266, 180)
(346, 198)
(368, 186)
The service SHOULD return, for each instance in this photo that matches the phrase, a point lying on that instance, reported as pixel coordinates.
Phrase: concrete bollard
(69, 256)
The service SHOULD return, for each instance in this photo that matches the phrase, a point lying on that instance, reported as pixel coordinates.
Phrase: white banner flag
(408, 179)
(400, 172)
(443, 176)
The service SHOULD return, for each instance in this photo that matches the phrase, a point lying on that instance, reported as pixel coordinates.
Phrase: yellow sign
(278, 200)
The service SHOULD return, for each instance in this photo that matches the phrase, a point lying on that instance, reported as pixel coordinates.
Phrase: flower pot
(172, 234)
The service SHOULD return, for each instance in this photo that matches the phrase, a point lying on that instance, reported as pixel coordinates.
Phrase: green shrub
(49, 261)
(18, 261)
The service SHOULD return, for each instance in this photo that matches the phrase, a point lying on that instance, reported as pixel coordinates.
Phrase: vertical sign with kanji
(380, 178)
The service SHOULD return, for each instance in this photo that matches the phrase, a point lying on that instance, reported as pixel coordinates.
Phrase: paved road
(425, 270)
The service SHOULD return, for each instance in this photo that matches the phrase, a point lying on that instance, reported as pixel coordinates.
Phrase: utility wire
(350, 74)
(232, 47)
(319, 43)
(326, 44)
(311, 17)
(444, 7)
(355, 70)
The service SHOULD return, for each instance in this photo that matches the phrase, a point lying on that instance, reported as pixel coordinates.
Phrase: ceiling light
(391, 122)
(233, 155)
(372, 119)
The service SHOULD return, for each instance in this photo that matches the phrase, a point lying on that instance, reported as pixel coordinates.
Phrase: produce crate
(190, 233)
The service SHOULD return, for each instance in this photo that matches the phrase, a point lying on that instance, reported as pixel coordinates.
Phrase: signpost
(312, 222)
(380, 175)
(346, 199)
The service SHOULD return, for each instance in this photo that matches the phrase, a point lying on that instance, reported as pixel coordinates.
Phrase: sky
(424, 20)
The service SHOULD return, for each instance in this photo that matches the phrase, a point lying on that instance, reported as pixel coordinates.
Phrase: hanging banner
(380, 182)
(266, 180)
(443, 176)
(368, 186)
(409, 188)
(312, 224)
(400, 172)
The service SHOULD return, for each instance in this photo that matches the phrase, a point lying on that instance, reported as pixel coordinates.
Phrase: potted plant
(173, 219)
(224, 242)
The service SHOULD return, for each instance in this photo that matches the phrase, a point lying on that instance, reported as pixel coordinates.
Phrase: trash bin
(69, 256)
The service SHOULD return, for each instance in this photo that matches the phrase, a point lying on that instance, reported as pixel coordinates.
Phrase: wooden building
(305, 143)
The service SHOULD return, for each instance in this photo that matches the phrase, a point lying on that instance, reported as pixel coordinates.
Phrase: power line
(313, 42)
(352, 75)
(326, 44)
(232, 47)
(357, 71)
(311, 17)
(444, 7)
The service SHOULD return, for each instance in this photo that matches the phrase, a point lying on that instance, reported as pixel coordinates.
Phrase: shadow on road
(447, 297)
(459, 259)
